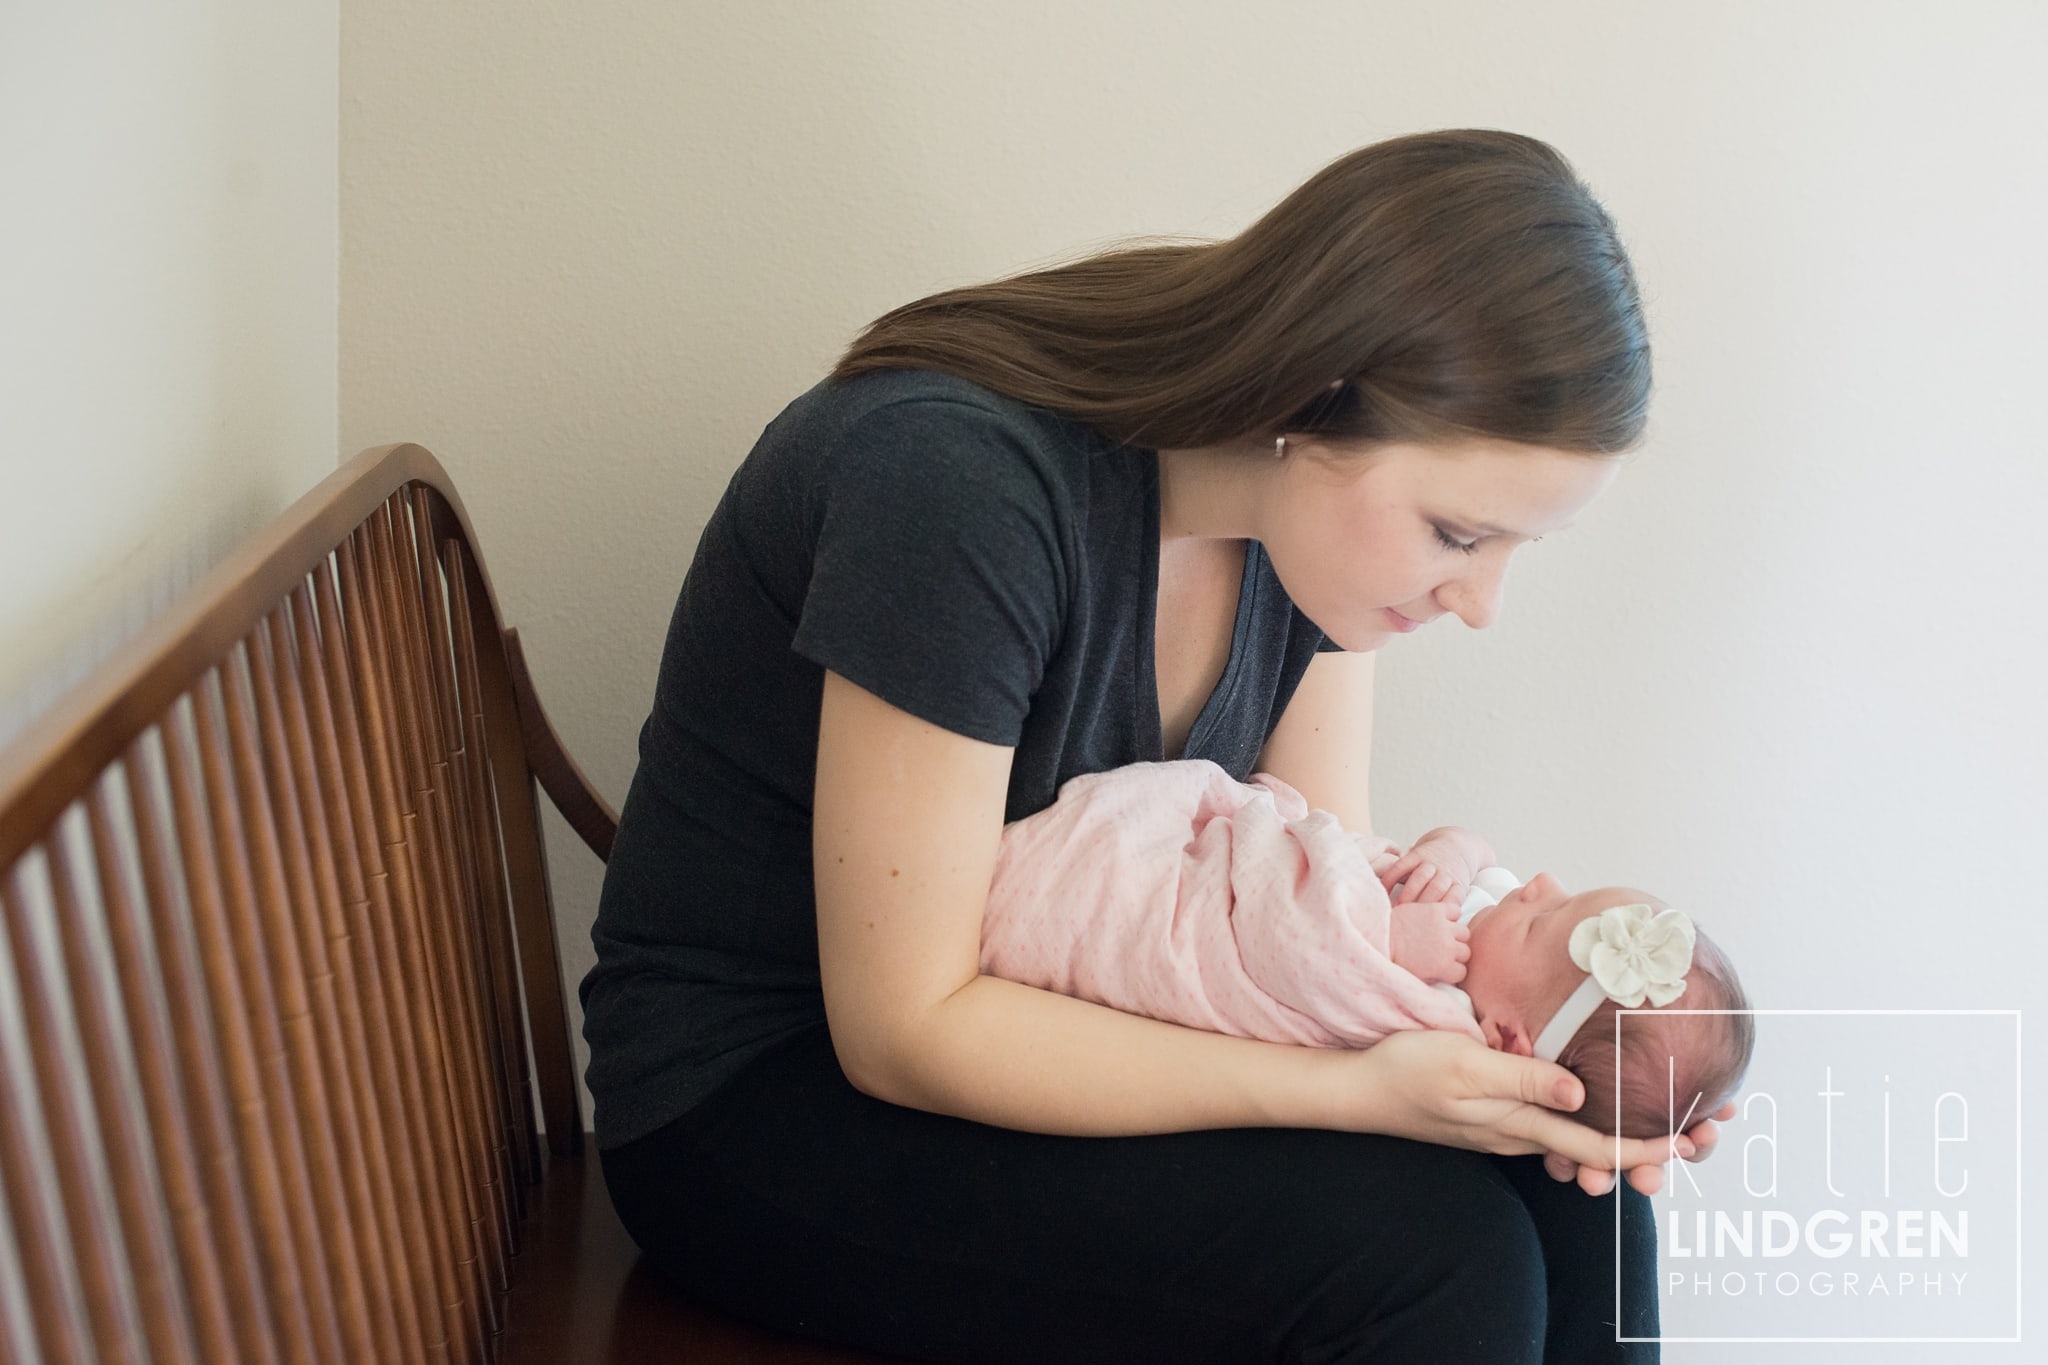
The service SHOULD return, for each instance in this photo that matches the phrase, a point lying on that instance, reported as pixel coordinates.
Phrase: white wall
(1789, 672)
(167, 307)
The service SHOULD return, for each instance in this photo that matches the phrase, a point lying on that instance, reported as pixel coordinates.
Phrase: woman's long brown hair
(1458, 284)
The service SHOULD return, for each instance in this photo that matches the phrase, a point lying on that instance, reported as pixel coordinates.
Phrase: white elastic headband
(1569, 1019)
(1630, 954)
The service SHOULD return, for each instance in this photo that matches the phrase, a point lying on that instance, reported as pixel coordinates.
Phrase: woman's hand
(1695, 1144)
(1442, 1087)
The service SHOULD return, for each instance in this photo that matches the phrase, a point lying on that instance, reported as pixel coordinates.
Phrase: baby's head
(1522, 974)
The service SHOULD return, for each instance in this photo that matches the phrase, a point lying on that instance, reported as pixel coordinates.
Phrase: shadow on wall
(587, 255)
(70, 633)
(170, 355)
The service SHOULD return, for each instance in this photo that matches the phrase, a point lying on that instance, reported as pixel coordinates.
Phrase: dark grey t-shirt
(989, 567)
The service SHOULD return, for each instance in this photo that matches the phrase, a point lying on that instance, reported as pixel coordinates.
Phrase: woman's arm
(908, 818)
(1323, 745)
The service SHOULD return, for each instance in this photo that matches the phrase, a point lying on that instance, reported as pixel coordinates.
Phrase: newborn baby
(1174, 891)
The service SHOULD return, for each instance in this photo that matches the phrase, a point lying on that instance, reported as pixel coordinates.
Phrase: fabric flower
(1636, 953)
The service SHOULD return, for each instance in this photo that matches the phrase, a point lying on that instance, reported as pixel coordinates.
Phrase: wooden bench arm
(588, 813)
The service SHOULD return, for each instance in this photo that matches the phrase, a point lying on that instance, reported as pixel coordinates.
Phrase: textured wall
(167, 307)
(1789, 670)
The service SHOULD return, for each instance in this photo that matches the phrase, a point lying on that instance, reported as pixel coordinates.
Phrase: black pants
(791, 1199)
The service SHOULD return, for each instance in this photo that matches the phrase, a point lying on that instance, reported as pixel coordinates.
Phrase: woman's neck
(1211, 492)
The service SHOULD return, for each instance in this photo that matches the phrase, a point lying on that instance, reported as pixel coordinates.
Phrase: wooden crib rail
(43, 769)
(278, 947)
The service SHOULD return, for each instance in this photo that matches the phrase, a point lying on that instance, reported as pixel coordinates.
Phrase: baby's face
(1521, 968)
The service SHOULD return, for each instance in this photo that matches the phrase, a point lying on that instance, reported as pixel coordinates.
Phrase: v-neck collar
(1152, 726)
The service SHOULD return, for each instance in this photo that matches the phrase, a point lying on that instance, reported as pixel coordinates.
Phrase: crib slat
(169, 1126)
(307, 918)
(334, 762)
(266, 1132)
(90, 1223)
(224, 1220)
(61, 1336)
(260, 912)
(151, 1269)
(397, 831)
(476, 845)
(496, 894)
(423, 618)
(441, 881)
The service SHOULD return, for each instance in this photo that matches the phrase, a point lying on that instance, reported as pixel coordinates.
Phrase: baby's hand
(1440, 865)
(1428, 941)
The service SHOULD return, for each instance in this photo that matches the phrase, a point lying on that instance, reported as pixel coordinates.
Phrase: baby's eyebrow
(1487, 528)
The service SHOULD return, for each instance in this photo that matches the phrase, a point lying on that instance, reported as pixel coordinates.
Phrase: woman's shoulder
(891, 400)
(926, 444)
(886, 388)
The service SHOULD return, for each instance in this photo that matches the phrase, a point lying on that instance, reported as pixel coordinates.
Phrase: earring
(1279, 447)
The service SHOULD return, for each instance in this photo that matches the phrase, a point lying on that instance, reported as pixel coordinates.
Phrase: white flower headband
(1631, 953)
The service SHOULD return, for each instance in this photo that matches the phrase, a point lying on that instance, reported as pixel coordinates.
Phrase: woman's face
(1376, 545)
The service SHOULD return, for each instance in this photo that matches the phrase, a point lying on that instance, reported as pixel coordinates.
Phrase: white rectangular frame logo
(2019, 1203)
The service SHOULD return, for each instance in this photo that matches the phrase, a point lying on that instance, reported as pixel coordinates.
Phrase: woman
(1162, 502)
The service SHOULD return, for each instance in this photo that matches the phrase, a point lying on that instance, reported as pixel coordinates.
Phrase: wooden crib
(281, 1007)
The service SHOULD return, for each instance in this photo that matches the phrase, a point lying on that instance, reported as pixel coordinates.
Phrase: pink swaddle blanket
(1174, 891)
